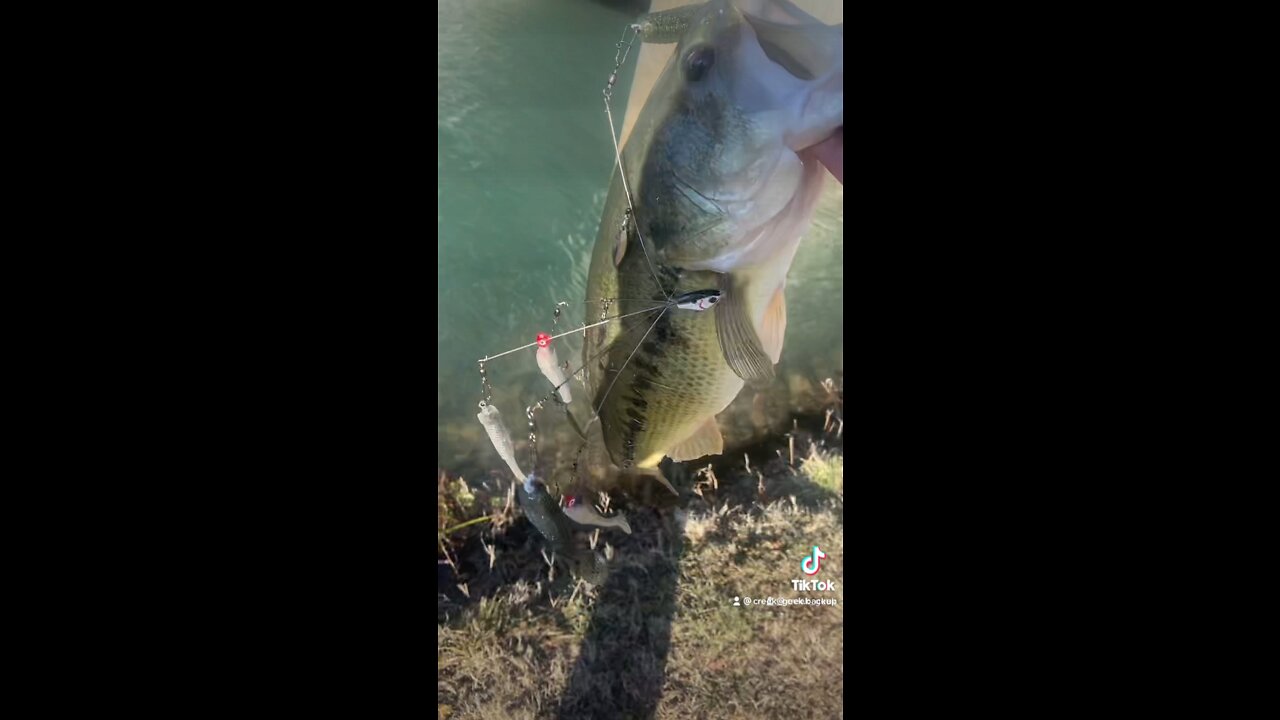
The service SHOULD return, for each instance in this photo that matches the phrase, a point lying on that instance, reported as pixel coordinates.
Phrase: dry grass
(825, 468)
(661, 637)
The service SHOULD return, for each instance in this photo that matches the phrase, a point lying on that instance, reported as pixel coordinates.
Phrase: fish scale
(675, 380)
(720, 193)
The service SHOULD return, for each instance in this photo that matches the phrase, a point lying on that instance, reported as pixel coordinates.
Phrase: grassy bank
(661, 636)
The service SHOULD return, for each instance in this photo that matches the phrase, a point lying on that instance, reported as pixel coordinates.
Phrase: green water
(524, 164)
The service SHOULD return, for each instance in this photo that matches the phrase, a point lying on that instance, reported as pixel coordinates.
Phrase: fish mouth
(811, 54)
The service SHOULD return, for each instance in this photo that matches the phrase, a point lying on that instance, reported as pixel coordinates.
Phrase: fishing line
(685, 300)
(613, 299)
(531, 409)
(583, 446)
(487, 358)
(554, 390)
(690, 301)
(624, 366)
(619, 58)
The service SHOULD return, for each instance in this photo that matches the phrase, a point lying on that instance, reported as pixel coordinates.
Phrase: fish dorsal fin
(741, 346)
(775, 325)
(706, 440)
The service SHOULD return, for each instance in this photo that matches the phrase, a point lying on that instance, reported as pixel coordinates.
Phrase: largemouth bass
(721, 189)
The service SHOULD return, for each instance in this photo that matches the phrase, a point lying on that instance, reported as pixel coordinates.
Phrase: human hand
(830, 153)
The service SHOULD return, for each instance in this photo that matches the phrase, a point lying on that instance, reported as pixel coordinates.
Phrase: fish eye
(713, 300)
(698, 62)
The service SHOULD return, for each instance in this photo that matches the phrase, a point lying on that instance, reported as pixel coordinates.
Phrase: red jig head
(544, 339)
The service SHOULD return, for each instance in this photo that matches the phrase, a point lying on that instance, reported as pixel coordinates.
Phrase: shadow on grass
(620, 670)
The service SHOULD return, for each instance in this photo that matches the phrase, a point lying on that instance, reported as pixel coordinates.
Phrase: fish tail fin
(639, 482)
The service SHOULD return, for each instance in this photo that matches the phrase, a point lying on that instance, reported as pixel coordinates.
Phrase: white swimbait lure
(492, 421)
(584, 513)
(549, 364)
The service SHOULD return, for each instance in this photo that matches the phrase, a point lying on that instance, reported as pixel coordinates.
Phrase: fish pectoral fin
(741, 346)
(706, 440)
(775, 325)
(666, 26)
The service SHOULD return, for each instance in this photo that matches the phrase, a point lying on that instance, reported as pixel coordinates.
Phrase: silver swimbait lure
(549, 364)
(492, 421)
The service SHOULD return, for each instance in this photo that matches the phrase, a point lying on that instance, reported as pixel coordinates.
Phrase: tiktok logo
(812, 563)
